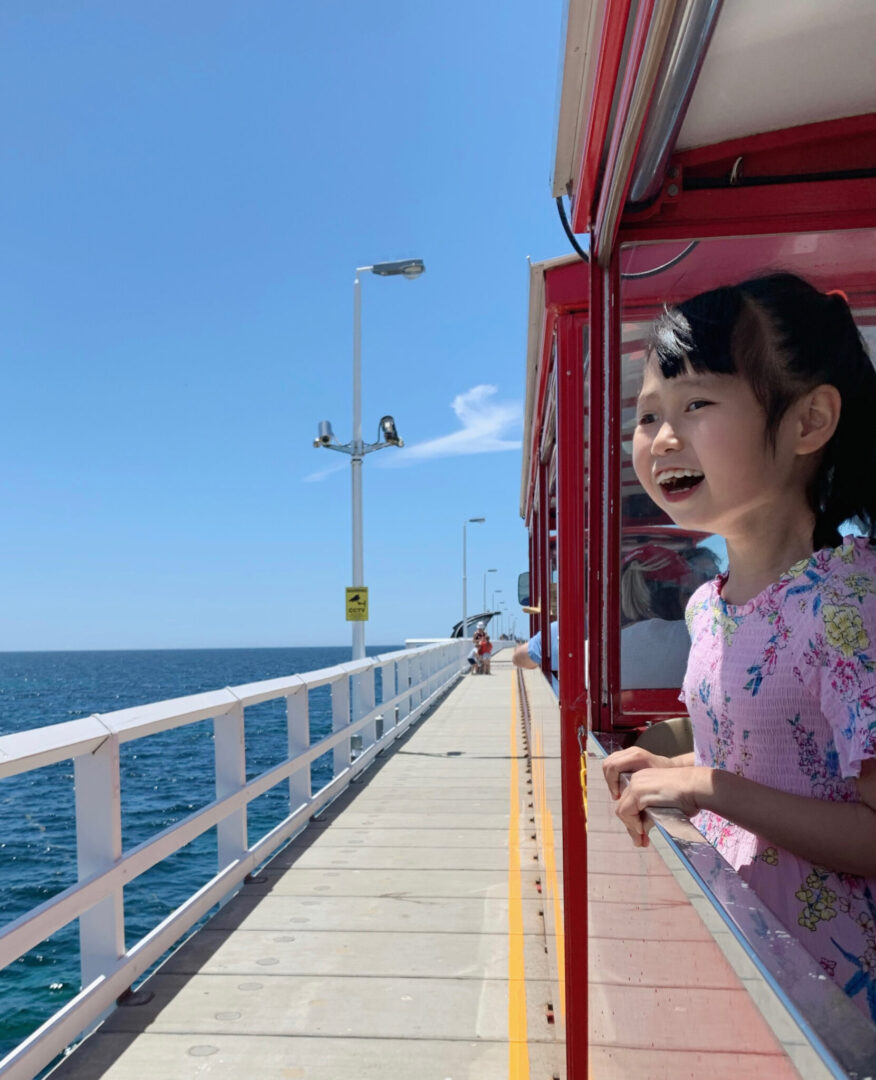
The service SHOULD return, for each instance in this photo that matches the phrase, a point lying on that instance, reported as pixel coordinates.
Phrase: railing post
(387, 692)
(422, 662)
(341, 720)
(425, 664)
(229, 749)
(404, 683)
(298, 727)
(98, 846)
(363, 702)
(416, 673)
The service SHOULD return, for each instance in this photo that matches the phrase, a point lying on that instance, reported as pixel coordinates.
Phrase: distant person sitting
(655, 587)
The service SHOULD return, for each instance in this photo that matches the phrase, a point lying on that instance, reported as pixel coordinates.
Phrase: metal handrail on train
(841, 1035)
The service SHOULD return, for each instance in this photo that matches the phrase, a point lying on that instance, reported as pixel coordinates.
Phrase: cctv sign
(357, 604)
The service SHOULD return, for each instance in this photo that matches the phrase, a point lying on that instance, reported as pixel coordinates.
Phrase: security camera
(388, 429)
(324, 435)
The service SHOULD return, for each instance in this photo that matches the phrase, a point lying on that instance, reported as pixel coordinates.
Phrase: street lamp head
(477, 521)
(409, 268)
(324, 433)
(387, 430)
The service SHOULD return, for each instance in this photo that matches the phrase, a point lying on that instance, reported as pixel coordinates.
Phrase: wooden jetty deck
(401, 935)
(413, 932)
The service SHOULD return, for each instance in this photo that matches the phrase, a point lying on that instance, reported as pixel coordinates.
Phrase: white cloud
(485, 423)
(315, 477)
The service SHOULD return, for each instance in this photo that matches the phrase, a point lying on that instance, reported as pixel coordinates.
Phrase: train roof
(646, 83)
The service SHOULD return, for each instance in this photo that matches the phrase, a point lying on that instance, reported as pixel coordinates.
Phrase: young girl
(755, 421)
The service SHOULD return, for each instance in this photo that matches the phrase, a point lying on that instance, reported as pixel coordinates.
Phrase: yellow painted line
(552, 885)
(550, 860)
(518, 1046)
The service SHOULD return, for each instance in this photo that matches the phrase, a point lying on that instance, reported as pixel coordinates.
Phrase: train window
(660, 564)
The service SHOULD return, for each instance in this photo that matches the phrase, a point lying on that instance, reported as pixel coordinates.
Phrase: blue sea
(165, 777)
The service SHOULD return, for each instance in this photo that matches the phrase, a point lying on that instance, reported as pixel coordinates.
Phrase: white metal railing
(412, 680)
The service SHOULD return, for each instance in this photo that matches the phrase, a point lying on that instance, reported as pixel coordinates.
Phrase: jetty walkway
(402, 934)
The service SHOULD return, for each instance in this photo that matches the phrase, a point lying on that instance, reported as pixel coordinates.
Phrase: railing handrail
(419, 677)
(34, 748)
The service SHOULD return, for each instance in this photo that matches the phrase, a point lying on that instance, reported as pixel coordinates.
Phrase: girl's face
(700, 451)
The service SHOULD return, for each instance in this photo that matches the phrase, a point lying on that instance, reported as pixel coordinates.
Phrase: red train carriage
(698, 144)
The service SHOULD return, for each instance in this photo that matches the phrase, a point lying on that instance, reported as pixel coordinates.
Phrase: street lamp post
(493, 571)
(493, 608)
(472, 521)
(387, 435)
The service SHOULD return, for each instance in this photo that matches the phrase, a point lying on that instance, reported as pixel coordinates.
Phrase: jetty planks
(400, 935)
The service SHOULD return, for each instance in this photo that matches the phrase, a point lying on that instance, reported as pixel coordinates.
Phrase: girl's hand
(684, 788)
(630, 760)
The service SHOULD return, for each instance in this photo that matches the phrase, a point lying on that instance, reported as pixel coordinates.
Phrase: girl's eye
(645, 419)
(698, 404)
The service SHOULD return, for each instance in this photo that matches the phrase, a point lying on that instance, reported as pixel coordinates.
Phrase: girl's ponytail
(845, 486)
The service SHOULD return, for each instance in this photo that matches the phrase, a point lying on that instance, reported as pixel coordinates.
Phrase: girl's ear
(818, 415)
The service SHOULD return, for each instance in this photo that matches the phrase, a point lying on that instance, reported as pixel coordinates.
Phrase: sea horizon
(192, 648)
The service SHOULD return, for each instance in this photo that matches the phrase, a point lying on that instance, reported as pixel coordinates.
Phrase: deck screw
(672, 190)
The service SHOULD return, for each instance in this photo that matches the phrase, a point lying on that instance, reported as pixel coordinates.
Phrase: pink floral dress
(782, 690)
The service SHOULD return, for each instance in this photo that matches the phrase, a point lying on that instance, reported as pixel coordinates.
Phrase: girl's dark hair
(784, 337)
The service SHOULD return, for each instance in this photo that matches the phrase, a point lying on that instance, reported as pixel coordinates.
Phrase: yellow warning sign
(357, 604)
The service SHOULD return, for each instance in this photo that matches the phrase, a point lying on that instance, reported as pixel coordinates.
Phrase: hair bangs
(697, 335)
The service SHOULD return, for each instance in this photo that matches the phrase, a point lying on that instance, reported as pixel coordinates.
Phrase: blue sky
(187, 189)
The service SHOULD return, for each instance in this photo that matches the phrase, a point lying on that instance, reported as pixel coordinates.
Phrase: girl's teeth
(678, 474)
(675, 480)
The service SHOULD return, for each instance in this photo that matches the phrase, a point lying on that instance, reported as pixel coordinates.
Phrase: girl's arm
(634, 758)
(838, 836)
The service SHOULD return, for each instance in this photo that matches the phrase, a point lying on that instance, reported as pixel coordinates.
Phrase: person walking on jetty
(754, 421)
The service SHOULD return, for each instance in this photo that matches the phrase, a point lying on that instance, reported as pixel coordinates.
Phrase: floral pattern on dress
(778, 639)
(845, 630)
(782, 691)
(863, 981)
(820, 764)
(818, 897)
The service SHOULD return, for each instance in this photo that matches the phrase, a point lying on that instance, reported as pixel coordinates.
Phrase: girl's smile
(677, 484)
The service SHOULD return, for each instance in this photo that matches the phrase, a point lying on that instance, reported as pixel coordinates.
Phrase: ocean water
(165, 777)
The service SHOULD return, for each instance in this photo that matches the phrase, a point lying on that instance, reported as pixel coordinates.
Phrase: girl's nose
(666, 439)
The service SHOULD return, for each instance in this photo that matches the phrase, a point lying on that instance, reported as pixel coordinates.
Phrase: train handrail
(838, 1031)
